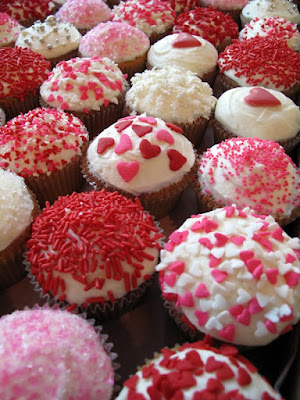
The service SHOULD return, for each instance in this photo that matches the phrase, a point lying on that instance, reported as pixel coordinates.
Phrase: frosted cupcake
(126, 45)
(250, 172)
(181, 6)
(9, 30)
(174, 95)
(142, 157)
(95, 251)
(187, 51)
(27, 12)
(91, 88)
(257, 112)
(232, 274)
(231, 7)
(49, 353)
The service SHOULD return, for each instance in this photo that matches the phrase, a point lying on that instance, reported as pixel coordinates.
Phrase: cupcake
(260, 61)
(270, 8)
(250, 172)
(2, 117)
(231, 7)
(95, 251)
(50, 353)
(232, 274)
(213, 25)
(9, 30)
(44, 146)
(130, 156)
(153, 17)
(276, 27)
(18, 208)
(187, 51)
(126, 45)
(84, 14)
(257, 112)
(91, 88)
(198, 371)
(174, 95)
(22, 73)
(181, 6)
(26, 12)
(53, 39)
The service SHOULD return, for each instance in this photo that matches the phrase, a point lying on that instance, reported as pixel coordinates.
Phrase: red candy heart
(164, 136)
(174, 127)
(123, 145)
(184, 40)
(123, 124)
(177, 160)
(149, 150)
(142, 130)
(104, 143)
(261, 97)
(128, 170)
(148, 120)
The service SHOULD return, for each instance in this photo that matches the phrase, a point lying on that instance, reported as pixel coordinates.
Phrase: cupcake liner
(194, 131)
(155, 37)
(67, 56)
(2, 117)
(210, 76)
(133, 66)
(13, 106)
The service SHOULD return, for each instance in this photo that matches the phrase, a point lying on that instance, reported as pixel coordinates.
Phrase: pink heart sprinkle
(148, 120)
(122, 124)
(214, 261)
(206, 242)
(244, 317)
(219, 276)
(245, 254)
(278, 234)
(236, 310)
(179, 236)
(202, 291)
(228, 332)
(187, 300)
(221, 239)
(123, 145)
(261, 97)
(290, 258)
(254, 306)
(104, 143)
(292, 278)
(165, 136)
(229, 211)
(141, 130)
(271, 326)
(128, 170)
(174, 127)
(170, 279)
(272, 274)
(202, 317)
(177, 267)
(238, 240)
(184, 40)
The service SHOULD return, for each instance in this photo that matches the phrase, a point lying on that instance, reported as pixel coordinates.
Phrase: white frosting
(225, 4)
(272, 26)
(52, 38)
(172, 94)
(271, 8)
(16, 207)
(273, 123)
(83, 84)
(199, 60)
(9, 29)
(233, 266)
(153, 173)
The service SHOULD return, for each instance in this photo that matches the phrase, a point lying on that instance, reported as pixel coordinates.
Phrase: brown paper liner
(133, 66)
(13, 106)
(64, 57)
(155, 37)
(2, 117)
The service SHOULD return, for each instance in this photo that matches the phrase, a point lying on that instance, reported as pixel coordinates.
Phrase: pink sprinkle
(221, 239)
(219, 276)
(271, 326)
(263, 241)
(214, 261)
(170, 279)
(202, 291)
(292, 278)
(245, 254)
(187, 300)
(202, 317)
(277, 234)
(206, 242)
(228, 332)
(178, 237)
(272, 274)
(238, 240)
(169, 246)
(244, 318)
(236, 310)
(254, 306)
(290, 258)
(177, 267)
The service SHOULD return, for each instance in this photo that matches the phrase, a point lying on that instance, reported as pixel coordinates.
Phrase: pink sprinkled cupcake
(126, 45)
(47, 352)
(84, 14)
(181, 6)
(231, 7)
(9, 30)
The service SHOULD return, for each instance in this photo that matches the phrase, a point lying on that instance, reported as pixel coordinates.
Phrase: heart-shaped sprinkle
(228, 332)
(177, 267)
(246, 254)
(278, 234)
(260, 97)
(122, 124)
(149, 150)
(244, 377)
(128, 170)
(142, 130)
(244, 317)
(174, 127)
(289, 258)
(213, 386)
(219, 276)
(170, 279)
(271, 326)
(186, 300)
(179, 236)
(206, 242)
(212, 364)
(238, 240)
(229, 211)
(272, 274)
(214, 261)
(177, 160)
(185, 40)
(123, 145)
(292, 278)
(165, 136)
(202, 317)
(254, 307)
(221, 239)
(236, 310)
(224, 373)
(202, 291)
(148, 120)
(104, 143)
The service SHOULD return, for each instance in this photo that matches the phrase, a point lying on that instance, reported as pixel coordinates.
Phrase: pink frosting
(116, 40)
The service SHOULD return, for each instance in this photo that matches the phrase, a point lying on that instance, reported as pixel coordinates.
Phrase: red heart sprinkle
(104, 143)
(149, 150)
(261, 97)
(254, 306)
(244, 317)
(213, 386)
(224, 373)
(227, 333)
(122, 124)
(212, 364)
(292, 278)
(174, 127)
(165, 136)
(123, 145)
(244, 377)
(236, 310)
(184, 40)
(128, 170)
(177, 160)
(148, 120)
(142, 130)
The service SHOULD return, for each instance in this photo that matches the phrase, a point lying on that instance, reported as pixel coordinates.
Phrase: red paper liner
(13, 106)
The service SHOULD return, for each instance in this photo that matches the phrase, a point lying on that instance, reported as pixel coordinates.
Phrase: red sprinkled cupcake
(44, 147)
(22, 73)
(95, 251)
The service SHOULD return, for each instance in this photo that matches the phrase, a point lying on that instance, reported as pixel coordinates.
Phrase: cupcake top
(183, 5)
(197, 370)
(22, 71)
(234, 275)
(184, 50)
(225, 4)
(132, 153)
(83, 84)
(41, 142)
(84, 14)
(28, 10)
(251, 172)
(16, 206)
(258, 112)
(9, 29)
(209, 23)
(150, 16)
(172, 94)
(271, 8)
(116, 40)
(120, 242)
(51, 38)
(49, 353)
(261, 61)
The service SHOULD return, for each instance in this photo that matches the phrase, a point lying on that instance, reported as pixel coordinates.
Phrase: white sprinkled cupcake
(9, 30)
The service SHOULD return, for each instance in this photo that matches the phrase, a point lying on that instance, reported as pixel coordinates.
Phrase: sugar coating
(9, 29)
(234, 275)
(28, 10)
(16, 206)
(225, 4)
(115, 40)
(84, 14)
(83, 84)
(52, 354)
(172, 94)
(198, 371)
